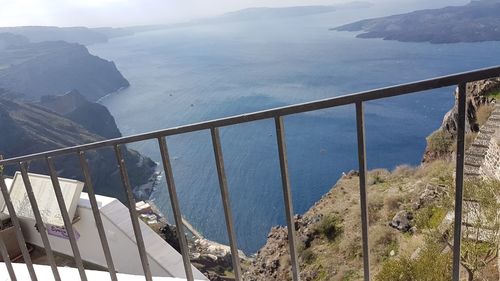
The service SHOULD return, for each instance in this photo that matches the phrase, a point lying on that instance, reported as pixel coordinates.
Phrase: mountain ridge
(33, 128)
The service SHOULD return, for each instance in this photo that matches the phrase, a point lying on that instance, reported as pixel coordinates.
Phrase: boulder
(402, 221)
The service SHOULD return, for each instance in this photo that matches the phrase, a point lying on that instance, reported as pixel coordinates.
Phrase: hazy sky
(135, 12)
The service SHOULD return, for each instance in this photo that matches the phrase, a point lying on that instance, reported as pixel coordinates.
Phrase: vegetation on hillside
(431, 264)
(480, 243)
(410, 215)
(495, 95)
(330, 244)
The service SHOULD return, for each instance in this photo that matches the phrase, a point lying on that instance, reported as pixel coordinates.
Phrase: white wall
(163, 259)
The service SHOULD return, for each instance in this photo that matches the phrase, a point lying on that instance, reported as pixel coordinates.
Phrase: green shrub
(430, 217)
(396, 270)
(430, 265)
(330, 227)
(479, 254)
(495, 95)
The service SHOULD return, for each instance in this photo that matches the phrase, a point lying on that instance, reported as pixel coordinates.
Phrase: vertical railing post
(174, 201)
(97, 216)
(3, 248)
(17, 227)
(360, 122)
(39, 221)
(68, 222)
(6, 260)
(459, 180)
(287, 195)
(219, 161)
(133, 214)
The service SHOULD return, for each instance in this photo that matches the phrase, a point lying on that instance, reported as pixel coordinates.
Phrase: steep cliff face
(476, 98)
(29, 128)
(54, 68)
(479, 103)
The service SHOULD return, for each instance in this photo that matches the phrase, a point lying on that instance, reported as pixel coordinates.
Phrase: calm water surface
(191, 74)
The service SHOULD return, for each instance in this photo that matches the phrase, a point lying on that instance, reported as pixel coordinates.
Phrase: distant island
(260, 13)
(88, 36)
(477, 21)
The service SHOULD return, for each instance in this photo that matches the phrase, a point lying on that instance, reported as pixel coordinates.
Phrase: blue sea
(201, 72)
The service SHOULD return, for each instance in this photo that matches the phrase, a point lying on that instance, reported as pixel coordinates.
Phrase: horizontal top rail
(386, 92)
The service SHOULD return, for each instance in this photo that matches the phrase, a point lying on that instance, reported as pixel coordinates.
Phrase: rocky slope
(30, 128)
(33, 70)
(475, 22)
(408, 211)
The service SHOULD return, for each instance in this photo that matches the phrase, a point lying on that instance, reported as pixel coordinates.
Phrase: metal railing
(277, 114)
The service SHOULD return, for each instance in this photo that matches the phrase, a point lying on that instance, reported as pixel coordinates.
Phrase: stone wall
(482, 159)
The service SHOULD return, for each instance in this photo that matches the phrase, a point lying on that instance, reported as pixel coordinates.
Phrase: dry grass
(388, 193)
(483, 113)
(440, 142)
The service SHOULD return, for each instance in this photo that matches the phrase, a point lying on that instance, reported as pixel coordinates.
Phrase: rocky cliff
(29, 128)
(479, 105)
(33, 70)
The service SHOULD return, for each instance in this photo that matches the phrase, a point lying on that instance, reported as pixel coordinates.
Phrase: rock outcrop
(476, 94)
(476, 98)
(272, 261)
(402, 221)
(213, 259)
